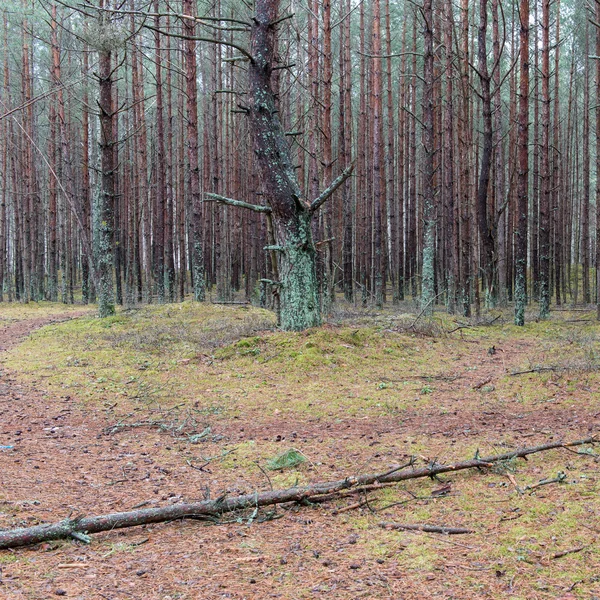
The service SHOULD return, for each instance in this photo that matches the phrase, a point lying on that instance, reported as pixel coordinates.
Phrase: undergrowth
(362, 394)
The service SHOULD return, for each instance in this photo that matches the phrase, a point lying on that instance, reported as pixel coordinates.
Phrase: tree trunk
(523, 169)
(486, 217)
(291, 212)
(556, 180)
(194, 166)
(585, 200)
(378, 192)
(428, 269)
(158, 237)
(451, 226)
(105, 202)
(345, 146)
(544, 281)
(598, 163)
(465, 148)
(499, 164)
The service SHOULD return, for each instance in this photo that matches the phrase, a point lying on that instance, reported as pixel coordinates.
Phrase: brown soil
(63, 462)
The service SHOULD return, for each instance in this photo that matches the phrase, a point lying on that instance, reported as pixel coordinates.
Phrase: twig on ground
(265, 474)
(448, 541)
(427, 528)
(350, 507)
(534, 370)
(560, 478)
(459, 327)
(200, 468)
(587, 452)
(570, 551)
(482, 383)
(512, 479)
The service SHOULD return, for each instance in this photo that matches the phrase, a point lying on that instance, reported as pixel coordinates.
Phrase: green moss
(7, 559)
(17, 311)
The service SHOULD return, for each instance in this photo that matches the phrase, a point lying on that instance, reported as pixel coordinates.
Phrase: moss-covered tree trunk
(523, 171)
(104, 249)
(286, 206)
(292, 214)
(428, 281)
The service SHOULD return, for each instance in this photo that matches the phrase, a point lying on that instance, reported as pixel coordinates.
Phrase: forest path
(63, 462)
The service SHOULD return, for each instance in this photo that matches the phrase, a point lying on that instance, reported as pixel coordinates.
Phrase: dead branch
(534, 370)
(426, 528)
(482, 383)
(570, 551)
(560, 478)
(317, 202)
(350, 507)
(239, 203)
(78, 528)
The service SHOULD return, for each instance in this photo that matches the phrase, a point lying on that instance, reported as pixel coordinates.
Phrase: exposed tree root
(80, 527)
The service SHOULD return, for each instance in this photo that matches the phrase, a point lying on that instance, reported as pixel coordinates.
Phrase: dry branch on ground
(80, 527)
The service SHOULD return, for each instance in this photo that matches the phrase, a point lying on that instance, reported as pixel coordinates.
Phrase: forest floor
(175, 403)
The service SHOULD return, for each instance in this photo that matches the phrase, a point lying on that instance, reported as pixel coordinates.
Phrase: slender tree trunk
(345, 146)
(106, 199)
(598, 164)
(158, 237)
(428, 269)
(378, 193)
(327, 212)
(169, 268)
(56, 165)
(585, 200)
(402, 183)
(523, 166)
(411, 245)
(452, 228)
(86, 280)
(192, 146)
(534, 201)
(544, 281)
(361, 184)
(499, 163)
(556, 180)
(465, 147)
(391, 187)
(486, 217)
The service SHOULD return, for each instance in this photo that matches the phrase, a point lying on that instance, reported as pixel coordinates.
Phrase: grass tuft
(287, 460)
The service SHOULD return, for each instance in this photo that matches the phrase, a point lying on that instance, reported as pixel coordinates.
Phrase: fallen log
(80, 527)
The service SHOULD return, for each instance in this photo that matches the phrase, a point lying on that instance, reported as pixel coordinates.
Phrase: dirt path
(61, 462)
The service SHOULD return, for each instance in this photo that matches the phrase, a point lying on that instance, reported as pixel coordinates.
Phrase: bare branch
(317, 202)
(238, 203)
(203, 39)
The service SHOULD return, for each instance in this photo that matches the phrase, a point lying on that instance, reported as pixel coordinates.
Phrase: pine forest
(300, 299)
(452, 151)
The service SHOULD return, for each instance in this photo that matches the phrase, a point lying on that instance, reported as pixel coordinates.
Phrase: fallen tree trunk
(78, 528)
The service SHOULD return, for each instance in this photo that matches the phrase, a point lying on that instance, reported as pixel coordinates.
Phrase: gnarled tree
(286, 204)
